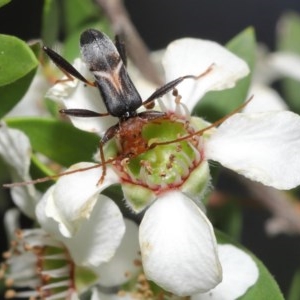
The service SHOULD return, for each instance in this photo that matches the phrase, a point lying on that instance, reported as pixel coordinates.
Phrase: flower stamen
(45, 271)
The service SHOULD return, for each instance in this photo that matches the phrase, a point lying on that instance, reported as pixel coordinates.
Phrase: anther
(178, 148)
(10, 294)
(171, 161)
(146, 164)
(124, 162)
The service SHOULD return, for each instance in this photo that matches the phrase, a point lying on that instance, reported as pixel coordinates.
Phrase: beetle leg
(66, 67)
(109, 134)
(151, 115)
(121, 49)
(84, 113)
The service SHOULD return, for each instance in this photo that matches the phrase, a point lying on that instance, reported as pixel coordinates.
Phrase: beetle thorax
(130, 137)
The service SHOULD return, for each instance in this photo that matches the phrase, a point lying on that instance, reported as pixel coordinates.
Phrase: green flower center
(165, 161)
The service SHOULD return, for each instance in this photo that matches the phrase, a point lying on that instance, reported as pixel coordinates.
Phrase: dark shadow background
(159, 22)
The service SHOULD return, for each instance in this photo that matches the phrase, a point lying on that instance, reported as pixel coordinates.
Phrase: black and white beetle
(106, 61)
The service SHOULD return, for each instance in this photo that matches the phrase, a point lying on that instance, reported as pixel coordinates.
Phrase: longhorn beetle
(106, 61)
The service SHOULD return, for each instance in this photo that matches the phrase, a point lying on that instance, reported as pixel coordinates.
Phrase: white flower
(31, 103)
(257, 145)
(37, 266)
(178, 246)
(236, 280)
(272, 66)
(45, 264)
(106, 245)
(285, 64)
(105, 227)
(269, 68)
(104, 242)
(61, 201)
(15, 150)
(265, 99)
(194, 56)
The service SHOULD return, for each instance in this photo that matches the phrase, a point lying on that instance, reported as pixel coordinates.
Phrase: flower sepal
(84, 278)
(137, 196)
(197, 183)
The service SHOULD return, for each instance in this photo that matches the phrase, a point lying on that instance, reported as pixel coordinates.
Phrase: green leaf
(265, 287)
(60, 141)
(78, 12)
(38, 169)
(71, 46)
(227, 218)
(50, 22)
(214, 105)
(16, 59)
(288, 40)
(52, 107)
(294, 292)
(11, 94)
(17, 69)
(36, 48)
(4, 2)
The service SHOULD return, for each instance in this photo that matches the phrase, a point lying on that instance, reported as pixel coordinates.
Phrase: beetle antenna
(53, 177)
(149, 102)
(201, 131)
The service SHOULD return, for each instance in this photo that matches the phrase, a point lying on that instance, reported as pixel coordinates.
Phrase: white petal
(178, 246)
(265, 99)
(98, 237)
(194, 56)
(263, 73)
(47, 223)
(286, 64)
(239, 274)
(25, 197)
(11, 223)
(74, 296)
(15, 150)
(125, 263)
(32, 103)
(76, 94)
(263, 147)
(145, 87)
(97, 295)
(75, 195)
